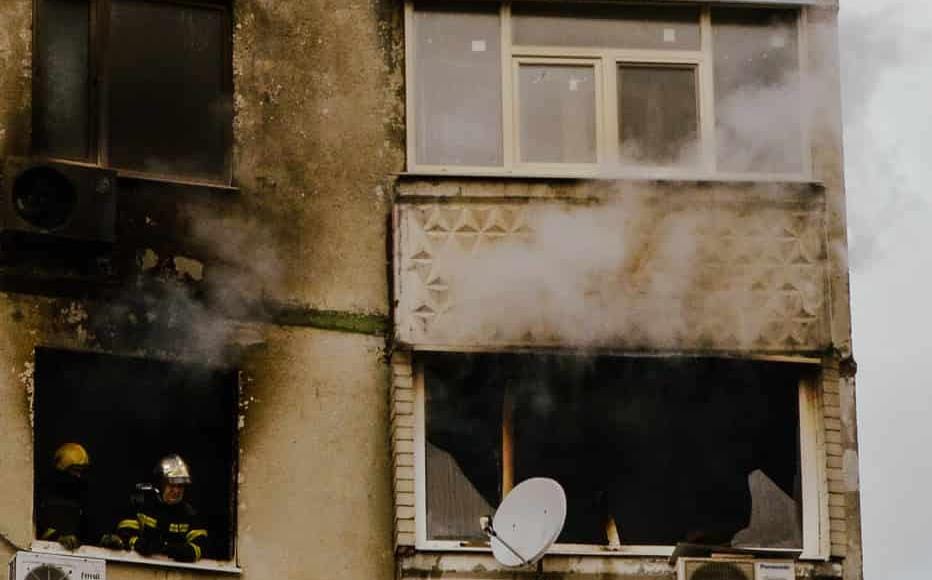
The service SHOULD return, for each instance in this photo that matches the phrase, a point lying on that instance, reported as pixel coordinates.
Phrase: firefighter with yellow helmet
(160, 520)
(62, 502)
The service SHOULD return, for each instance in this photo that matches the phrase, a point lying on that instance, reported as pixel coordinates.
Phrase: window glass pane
(657, 114)
(557, 113)
(458, 85)
(170, 107)
(695, 450)
(546, 24)
(757, 90)
(62, 97)
(463, 447)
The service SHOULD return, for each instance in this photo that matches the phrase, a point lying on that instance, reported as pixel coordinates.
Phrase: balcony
(705, 267)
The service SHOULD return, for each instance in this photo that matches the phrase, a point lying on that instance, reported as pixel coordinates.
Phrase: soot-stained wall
(283, 278)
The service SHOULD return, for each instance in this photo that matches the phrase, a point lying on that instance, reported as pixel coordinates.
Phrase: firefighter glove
(147, 546)
(70, 542)
(112, 541)
(181, 552)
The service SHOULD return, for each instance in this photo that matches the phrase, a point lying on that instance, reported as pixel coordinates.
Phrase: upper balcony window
(143, 86)
(534, 88)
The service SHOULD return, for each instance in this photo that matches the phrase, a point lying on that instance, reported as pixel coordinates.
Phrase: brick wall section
(402, 438)
(834, 451)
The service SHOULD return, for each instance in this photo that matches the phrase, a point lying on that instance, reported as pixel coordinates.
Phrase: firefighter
(62, 512)
(160, 520)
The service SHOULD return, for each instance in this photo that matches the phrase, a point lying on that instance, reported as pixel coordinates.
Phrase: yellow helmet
(71, 455)
(173, 469)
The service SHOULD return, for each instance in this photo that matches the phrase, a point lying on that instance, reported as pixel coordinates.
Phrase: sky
(886, 52)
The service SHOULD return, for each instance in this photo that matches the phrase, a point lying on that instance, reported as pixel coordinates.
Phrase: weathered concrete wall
(317, 136)
(828, 166)
(319, 129)
(314, 485)
(314, 482)
(16, 471)
(15, 74)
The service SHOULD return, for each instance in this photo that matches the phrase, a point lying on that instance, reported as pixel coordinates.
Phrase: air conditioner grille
(719, 571)
(47, 572)
(43, 566)
(43, 197)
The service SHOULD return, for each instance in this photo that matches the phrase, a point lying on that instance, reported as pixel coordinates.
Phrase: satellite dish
(528, 522)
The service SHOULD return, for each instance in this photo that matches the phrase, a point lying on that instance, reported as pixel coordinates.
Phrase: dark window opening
(128, 413)
(139, 85)
(669, 450)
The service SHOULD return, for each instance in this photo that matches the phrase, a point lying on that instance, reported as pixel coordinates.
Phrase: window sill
(459, 563)
(600, 551)
(175, 181)
(556, 550)
(660, 177)
(134, 558)
(142, 176)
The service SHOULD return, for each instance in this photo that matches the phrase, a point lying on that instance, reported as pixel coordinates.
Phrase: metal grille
(719, 571)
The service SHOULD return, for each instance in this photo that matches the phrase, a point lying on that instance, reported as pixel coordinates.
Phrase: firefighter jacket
(155, 527)
(62, 507)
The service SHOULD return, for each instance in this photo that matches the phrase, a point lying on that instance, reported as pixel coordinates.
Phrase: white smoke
(886, 50)
(643, 268)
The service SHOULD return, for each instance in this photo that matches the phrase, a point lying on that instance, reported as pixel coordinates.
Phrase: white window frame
(606, 61)
(579, 61)
(815, 522)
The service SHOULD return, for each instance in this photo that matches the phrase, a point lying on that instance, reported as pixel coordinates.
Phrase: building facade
(368, 265)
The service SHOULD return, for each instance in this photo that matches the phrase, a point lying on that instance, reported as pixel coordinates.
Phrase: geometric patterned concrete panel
(699, 272)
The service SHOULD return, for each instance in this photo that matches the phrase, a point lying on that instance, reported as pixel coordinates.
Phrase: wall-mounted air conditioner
(734, 569)
(37, 566)
(58, 198)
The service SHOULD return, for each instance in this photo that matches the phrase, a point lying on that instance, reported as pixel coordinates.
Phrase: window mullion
(410, 104)
(803, 80)
(508, 441)
(420, 455)
(609, 160)
(812, 468)
(508, 103)
(706, 93)
(100, 31)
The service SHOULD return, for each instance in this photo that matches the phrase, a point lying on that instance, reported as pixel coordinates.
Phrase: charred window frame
(128, 412)
(465, 63)
(486, 423)
(141, 86)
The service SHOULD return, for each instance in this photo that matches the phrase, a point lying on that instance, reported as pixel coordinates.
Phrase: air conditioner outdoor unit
(734, 569)
(58, 198)
(37, 566)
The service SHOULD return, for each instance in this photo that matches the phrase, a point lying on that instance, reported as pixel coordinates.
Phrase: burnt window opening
(128, 413)
(143, 86)
(664, 450)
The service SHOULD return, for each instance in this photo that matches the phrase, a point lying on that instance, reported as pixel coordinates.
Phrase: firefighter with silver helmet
(62, 507)
(160, 520)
